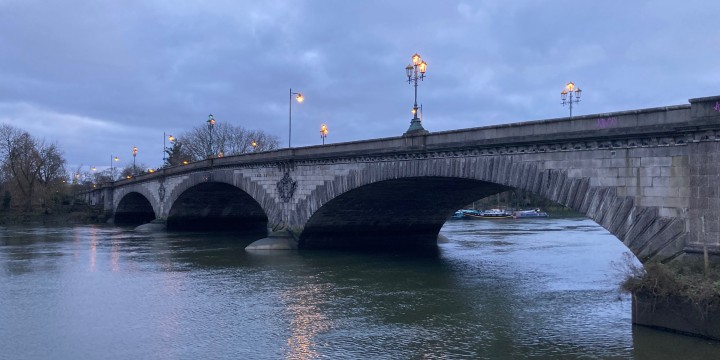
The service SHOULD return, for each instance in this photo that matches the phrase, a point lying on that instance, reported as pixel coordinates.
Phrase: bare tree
(24, 163)
(227, 139)
(51, 176)
(129, 170)
(101, 177)
(263, 141)
(33, 169)
(8, 135)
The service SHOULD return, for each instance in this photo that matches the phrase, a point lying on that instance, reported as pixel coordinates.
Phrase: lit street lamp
(416, 71)
(134, 155)
(323, 132)
(210, 125)
(112, 170)
(570, 89)
(299, 97)
(254, 144)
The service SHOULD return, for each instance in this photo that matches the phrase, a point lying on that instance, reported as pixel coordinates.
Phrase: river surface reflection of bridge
(538, 288)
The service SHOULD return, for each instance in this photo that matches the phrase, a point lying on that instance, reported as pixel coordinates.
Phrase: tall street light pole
(112, 170)
(323, 132)
(299, 97)
(134, 155)
(210, 125)
(416, 71)
(573, 93)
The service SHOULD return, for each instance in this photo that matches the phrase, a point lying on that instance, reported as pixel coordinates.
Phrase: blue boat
(464, 214)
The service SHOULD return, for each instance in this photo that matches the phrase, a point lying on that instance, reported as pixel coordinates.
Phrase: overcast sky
(99, 77)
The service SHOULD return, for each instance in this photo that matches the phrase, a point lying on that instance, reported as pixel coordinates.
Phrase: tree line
(35, 176)
(227, 140)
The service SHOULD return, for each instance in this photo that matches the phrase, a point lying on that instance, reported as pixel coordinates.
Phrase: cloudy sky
(101, 76)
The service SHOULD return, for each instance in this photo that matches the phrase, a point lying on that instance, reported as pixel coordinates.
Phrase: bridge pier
(153, 226)
(276, 240)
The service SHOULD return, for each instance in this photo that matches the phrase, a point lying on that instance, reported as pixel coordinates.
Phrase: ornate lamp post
(299, 97)
(210, 125)
(323, 132)
(134, 155)
(573, 92)
(416, 71)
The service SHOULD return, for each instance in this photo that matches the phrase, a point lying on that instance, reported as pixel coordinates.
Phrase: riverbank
(68, 216)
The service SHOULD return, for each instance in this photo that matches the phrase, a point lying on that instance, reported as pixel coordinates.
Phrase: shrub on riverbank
(699, 286)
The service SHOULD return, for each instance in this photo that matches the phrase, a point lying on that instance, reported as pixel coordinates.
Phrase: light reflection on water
(499, 289)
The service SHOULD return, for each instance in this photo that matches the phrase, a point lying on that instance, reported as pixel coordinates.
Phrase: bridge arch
(479, 175)
(391, 213)
(215, 205)
(134, 208)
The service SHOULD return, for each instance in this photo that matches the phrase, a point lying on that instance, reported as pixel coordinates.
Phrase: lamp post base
(415, 128)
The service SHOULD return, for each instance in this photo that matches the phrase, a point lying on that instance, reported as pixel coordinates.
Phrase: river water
(542, 288)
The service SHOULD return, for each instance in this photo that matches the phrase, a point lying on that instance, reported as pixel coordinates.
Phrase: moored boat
(536, 213)
(491, 214)
(462, 214)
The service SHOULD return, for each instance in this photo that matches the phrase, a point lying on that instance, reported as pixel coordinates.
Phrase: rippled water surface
(499, 289)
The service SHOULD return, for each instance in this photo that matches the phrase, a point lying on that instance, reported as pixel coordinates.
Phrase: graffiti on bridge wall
(609, 122)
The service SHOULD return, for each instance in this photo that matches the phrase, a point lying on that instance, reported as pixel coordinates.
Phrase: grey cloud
(157, 66)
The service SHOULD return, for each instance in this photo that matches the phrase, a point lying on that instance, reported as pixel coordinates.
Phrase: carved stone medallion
(286, 187)
(161, 190)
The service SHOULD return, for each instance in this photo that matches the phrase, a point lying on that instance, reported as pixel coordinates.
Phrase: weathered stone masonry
(651, 177)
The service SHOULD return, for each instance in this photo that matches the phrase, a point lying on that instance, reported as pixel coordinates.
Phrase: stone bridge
(651, 177)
